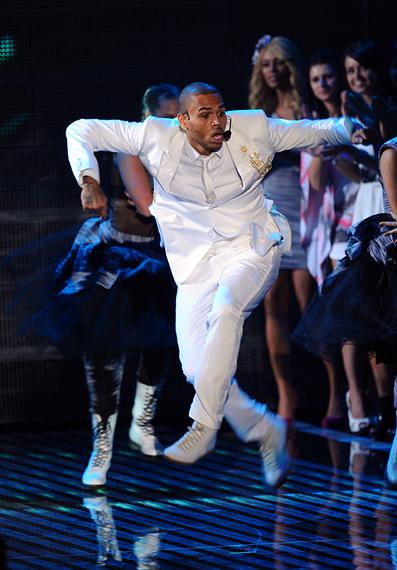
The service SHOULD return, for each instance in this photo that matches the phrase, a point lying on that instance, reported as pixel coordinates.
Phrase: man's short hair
(155, 94)
(197, 88)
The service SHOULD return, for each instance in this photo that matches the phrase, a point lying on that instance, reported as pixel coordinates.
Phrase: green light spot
(7, 129)
(7, 48)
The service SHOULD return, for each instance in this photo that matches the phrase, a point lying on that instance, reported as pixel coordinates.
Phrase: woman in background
(361, 64)
(278, 86)
(357, 304)
(329, 191)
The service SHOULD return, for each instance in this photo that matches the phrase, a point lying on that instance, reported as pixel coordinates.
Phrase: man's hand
(92, 197)
(365, 135)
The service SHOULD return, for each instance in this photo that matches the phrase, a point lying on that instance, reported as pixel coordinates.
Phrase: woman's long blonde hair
(261, 96)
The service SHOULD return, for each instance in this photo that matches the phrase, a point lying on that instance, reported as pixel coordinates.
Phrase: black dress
(112, 292)
(357, 303)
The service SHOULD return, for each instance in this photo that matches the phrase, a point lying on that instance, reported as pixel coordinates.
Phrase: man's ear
(182, 121)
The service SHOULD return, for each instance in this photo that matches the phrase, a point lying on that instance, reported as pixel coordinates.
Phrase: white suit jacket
(187, 223)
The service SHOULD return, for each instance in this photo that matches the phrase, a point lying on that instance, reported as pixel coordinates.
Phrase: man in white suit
(223, 240)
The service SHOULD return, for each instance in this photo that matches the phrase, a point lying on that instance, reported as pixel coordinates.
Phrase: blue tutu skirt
(357, 303)
(107, 296)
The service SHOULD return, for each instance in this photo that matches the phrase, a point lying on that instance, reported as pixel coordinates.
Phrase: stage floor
(334, 511)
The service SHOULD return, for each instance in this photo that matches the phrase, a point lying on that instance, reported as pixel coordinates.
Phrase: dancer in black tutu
(388, 168)
(113, 294)
(357, 303)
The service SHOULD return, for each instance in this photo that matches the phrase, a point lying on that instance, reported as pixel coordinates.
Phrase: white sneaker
(194, 444)
(273, 449)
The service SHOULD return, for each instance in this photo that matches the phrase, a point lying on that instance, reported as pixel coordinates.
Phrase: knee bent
(224, 311)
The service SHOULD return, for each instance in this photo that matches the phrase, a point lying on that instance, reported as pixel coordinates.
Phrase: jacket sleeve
(86, 136)
(287, 135)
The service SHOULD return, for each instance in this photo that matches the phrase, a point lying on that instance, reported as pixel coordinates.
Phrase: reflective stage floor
(334, 511)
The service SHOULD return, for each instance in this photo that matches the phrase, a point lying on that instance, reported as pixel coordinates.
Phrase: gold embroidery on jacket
(261, 163)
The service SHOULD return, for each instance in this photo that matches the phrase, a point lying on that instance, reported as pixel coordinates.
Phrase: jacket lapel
(240, 155)
(170, 160)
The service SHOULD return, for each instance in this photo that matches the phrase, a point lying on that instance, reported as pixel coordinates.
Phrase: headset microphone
(228, 132)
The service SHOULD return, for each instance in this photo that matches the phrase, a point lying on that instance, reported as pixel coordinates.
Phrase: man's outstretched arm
(86, 136)
(287, 135)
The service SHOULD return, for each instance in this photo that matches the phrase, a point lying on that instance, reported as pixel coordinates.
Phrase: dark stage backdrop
(61, 60)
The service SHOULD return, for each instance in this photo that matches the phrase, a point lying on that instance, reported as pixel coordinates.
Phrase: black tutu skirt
(357, 303)
(106, 296)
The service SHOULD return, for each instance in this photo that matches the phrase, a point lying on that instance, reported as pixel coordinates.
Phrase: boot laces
(102, 434)
(144, 422)
(270, 458)
(191, 437)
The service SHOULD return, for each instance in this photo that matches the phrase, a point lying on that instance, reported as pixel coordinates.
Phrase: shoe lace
(192, 436)
(107, 540)
(270, 459)
(102, 434)
(144, 422)
(269, 454)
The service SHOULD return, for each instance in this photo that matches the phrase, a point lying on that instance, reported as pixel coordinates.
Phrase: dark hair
(197, 88)
(368, 55)
(323, 56)
(154, 94)
(364, 52)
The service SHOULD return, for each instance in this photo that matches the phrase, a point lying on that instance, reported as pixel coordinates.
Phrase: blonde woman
(278, 86)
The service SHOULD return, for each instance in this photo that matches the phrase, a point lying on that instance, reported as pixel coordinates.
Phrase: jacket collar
(236, 145)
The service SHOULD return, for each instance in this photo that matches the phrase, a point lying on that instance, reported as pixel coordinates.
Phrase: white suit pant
(211, 308)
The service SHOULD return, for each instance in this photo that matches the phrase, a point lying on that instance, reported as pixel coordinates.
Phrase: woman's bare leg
(278, 343)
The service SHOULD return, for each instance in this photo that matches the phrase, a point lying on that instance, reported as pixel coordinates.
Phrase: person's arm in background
(351, 161)
(388, 169)
(136, 182)
(318, 172)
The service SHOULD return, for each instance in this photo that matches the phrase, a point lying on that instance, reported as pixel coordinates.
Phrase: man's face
(204, 122)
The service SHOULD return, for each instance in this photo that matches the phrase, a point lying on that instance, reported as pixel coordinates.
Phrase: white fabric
(208, 185)
(186, 221)
(369, 201)
(189, 173)
(369, 198)
(211, 308)
(338, 250)
(225, 251)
